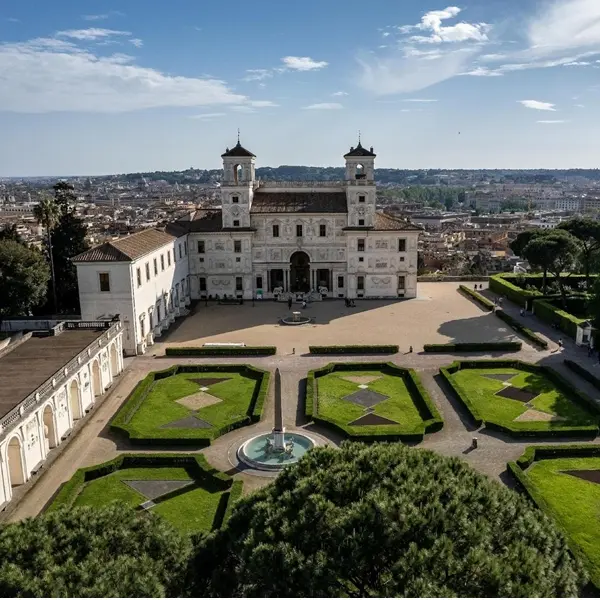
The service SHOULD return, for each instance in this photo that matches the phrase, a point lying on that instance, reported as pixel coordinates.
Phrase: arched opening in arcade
(97, 379)
(75, 400)
(49, 428)
(114, 359)
(15, 462)
(299, 272)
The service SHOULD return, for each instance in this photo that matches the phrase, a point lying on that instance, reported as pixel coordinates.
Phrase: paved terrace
(441, 313)
(36, 360)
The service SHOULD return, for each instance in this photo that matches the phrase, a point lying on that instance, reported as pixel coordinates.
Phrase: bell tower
(360, 186)
(237, 186)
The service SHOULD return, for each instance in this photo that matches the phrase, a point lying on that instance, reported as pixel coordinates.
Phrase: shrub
(478, 298)
(474, 347)
(504, 285)
(368, 349)
(521, 329)
(552, 315)
(583, 373)
(223, 351)
(431, 418)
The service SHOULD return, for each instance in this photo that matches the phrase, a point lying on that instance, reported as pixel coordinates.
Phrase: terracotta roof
(299, 202)
(385, 222)
(237, 150)
(200, 221)
(360, 151)
(126, 248)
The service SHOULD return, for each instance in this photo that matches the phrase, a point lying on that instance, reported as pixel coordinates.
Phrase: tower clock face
(235, 211)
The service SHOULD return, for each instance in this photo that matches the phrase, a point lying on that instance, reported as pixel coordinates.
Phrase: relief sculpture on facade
(381, 281)
(381, 244)
(220, 283)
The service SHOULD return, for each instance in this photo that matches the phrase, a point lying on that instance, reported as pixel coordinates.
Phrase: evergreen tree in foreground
(384, 520)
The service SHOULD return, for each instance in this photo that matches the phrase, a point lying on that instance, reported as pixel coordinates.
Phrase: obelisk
(278, 429)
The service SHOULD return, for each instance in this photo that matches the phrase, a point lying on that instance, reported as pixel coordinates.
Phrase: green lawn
(398, 407)
(160, 408)
(192, 511)
(481, 393)
(574, 502)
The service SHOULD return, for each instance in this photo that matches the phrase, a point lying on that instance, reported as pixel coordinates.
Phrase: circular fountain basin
(295, 319)
(254, 452)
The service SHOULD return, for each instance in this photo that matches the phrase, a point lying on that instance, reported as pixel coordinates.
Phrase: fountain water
(272, 452)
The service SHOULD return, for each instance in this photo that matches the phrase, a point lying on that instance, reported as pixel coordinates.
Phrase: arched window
(360, 171)
(238, 173)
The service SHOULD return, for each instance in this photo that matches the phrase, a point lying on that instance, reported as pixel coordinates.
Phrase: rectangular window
(361, 222)
(201, 259)
(360, 283)
(361, 259)
(155, 266)
(275, 230)
(361, 198)
(139, 276)
(237, 246)
(201, 247)
(235, 199)
(238, 259)
(340, 281)
(402, 259)
(401, 282)
(169, 258)
(298, 230)
(239, 285)
(162, 262)
(322, 230)
(185, 248)
(236, 223)
(202, 281)
(104, 282)
(147, 271)
(180, 252)
(259, 282)
(361, 245)
(401, 245)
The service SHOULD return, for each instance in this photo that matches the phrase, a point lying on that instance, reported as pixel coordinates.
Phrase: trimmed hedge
(474, 347)
(196, 464)
(583, 373)
(478, 298)
(550, 314)
(538, 429)
(502, 284)
(432, 420)
(120, 422)
(518, 470)
(522, 330)
(223, 351)
(353, 349)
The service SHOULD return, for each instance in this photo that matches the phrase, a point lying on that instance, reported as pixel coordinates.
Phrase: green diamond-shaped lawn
(190, 511)
(522, 401)
(163, 415)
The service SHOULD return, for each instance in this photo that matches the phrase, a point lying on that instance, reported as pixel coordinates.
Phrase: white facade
(44, 419)
(269, 240)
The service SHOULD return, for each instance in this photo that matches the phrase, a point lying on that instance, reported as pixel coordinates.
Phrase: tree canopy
(384, 520)
(24, 276)
(587, 231)
(92, 552)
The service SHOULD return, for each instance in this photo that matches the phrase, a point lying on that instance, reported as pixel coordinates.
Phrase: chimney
(371, 148)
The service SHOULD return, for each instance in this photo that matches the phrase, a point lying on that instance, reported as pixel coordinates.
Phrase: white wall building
(75, 363)
(269, 239)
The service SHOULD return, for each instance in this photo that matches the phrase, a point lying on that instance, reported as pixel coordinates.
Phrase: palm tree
(47, 214)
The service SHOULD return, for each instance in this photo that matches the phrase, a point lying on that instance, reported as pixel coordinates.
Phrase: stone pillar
(268, 280)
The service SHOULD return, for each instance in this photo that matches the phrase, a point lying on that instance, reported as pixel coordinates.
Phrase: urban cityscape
(350, 351)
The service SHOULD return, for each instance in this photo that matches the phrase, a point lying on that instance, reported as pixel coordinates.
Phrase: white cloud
(340, 93)
(577, 63)
(13, 20)
(257, 74)
(208, 116)
(537, 105)
(419, 100)
(303, 63)
(51, 75)
(243, 108)
(262, 103)
(552, 122)
(484, 72)
(102, 17)
(324, 106)
(136, 42)
(579, 105)
(461, 32)
(386, 33)
(93, 33)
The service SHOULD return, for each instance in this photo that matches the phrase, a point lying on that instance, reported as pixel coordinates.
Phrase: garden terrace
(522, 399)
(371, 401)
(193, 404)
(564, 481)
(183, 489)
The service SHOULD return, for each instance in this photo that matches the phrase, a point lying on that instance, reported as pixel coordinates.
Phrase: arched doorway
(299, 272)
(114, 359)
(97, 379)
(49, 429)
(15, 462)
(75, 400)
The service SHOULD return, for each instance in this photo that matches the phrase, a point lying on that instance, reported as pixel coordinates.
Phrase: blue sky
(98, 86)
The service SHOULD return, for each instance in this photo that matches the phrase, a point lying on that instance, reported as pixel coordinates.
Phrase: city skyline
(107, 89)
